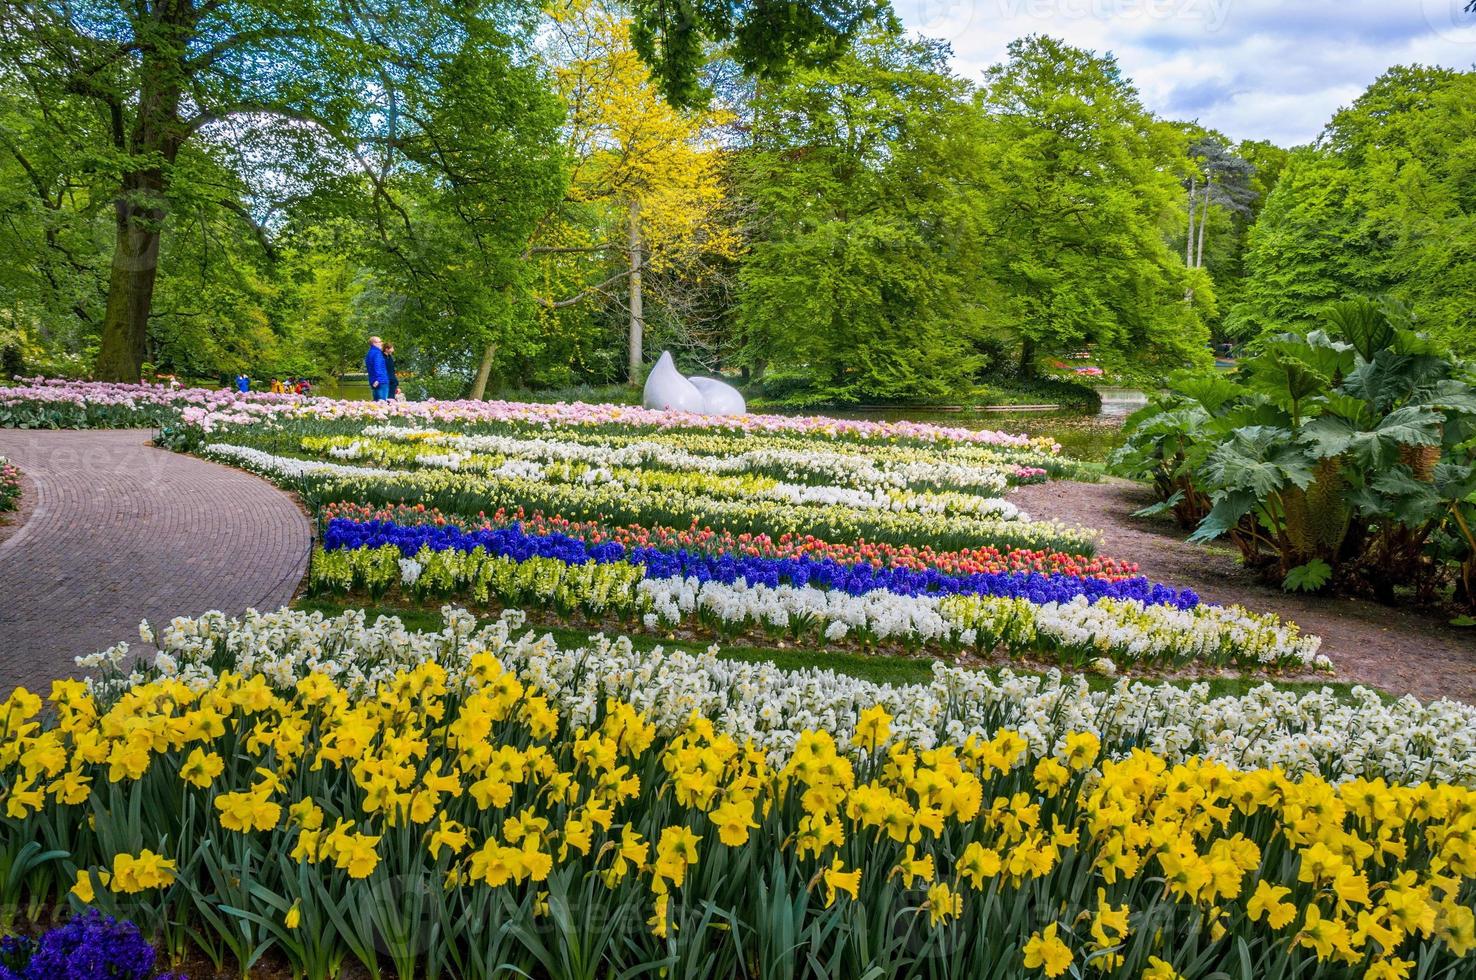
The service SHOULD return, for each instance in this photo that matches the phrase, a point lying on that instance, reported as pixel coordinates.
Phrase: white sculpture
(719, 398)
(667, 389)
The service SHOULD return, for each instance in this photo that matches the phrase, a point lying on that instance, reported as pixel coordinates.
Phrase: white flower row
(596, 473)
(1341, 737)
(1011, 524)
(848, 469)
(1125, 630)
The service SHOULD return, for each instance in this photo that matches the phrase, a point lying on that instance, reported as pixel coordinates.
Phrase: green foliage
(1343, 458)
(1309, 577)
(861, 285)
(1383, 203)
(1077, 196)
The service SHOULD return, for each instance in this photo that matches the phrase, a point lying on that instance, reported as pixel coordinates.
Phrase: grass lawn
(878, 669)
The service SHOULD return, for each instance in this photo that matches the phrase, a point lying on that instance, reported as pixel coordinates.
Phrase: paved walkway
(1401, 651)
(120, 531)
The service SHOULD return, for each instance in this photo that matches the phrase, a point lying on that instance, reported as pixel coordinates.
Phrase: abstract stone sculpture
(667, 389)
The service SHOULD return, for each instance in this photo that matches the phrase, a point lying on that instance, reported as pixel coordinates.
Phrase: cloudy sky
(1254, 69)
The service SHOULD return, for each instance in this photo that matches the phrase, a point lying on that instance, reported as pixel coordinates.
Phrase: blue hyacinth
(826, 573)
(89, 947)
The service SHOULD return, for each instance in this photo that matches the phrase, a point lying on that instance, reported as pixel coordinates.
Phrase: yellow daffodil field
(455, 819)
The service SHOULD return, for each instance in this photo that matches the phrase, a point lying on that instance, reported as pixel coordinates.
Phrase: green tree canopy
(862, 282)
(1080, 191)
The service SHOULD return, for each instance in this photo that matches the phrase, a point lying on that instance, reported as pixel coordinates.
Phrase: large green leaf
(1412, 425)
(1213, 391)
(1225, 515)
(1261, 460)
(1355, 410)
(1363, 323)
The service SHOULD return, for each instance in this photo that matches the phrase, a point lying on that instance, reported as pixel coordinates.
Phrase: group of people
(379, 364)
(291, 386)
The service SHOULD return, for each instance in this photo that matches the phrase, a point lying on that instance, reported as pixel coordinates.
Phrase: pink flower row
(210, 409)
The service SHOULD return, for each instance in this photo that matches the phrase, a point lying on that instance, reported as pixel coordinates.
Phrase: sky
(1253, 69)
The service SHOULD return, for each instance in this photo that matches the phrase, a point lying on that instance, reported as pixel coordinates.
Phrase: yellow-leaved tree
(645, 190)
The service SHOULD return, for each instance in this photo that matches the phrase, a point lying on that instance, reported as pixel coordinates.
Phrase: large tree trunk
(1027, 357)
(484, 371)
(143, 196)
(130, 288)
(637, 309)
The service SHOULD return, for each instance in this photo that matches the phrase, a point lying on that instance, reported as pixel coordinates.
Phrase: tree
(135, 84)
(1080, 193)
(763, 38)
(862, 281)
(1383, 204)
(303, 88)
(645, 180)
(483, 166)
(1220, 179)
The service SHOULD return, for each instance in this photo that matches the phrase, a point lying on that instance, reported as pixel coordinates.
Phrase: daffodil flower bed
(464, 821)
(736, 484)
(809, 465)
(1402, 742)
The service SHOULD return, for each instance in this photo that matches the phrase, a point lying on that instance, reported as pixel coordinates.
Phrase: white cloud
(1254, 69)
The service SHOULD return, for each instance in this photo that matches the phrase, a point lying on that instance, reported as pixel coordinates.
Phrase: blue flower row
(855, 579)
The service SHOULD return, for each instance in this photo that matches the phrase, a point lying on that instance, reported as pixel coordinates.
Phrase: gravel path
(115, 531)
(1397, 650)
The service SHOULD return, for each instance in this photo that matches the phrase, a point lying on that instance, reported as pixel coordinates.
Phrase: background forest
(543, 198)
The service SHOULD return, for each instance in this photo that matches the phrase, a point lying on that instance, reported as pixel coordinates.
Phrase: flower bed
(1359, 737)
(826, 531)
(57, 403)
(971, 561)
(322, 481)
(10, 486)
(89, 947)
(1073, 619)
(468, 820)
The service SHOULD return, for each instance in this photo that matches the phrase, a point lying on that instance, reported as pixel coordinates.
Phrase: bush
(1348, 447)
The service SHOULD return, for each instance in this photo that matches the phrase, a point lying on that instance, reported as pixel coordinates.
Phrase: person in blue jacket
(243, 383)
(378, 373)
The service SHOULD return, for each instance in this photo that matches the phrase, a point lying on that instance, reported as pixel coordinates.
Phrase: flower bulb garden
(335, 793)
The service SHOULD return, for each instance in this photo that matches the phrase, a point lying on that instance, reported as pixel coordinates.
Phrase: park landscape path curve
(120, 531)
(1399, 651)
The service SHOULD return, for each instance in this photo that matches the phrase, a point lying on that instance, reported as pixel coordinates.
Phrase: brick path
(121, 531)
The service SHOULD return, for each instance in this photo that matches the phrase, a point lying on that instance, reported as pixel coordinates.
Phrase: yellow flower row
(482, 784)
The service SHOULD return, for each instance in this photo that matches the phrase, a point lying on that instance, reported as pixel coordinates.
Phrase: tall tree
(310, 84)
(1081, 195)
(304, 87)
(1383, 204)
(862, 278)
(644, 192)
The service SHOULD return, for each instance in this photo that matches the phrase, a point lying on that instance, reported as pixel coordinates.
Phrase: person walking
(374, 366)
(389, 370)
